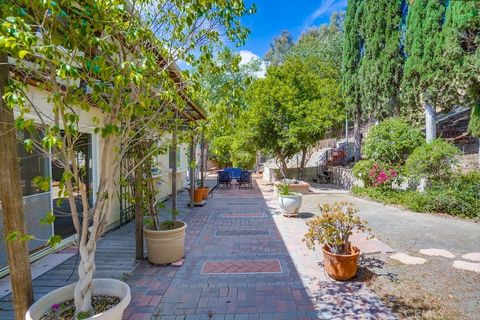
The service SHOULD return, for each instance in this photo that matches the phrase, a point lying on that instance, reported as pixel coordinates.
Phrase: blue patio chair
(224, 178)
(245, 179)
(236, 172)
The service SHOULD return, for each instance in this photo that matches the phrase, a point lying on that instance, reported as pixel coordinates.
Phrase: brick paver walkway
(261, 271)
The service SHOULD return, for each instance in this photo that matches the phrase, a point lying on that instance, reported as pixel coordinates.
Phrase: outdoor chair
(245, 179)
(224, 178)
(234, 173)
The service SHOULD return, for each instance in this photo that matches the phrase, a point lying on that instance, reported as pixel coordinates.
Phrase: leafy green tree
(420, 86)
(220, 149)
(380, 69)
(279, 49)
(222, 92)
(353, 47)
(392, 141)
(292, 108)
(324, 42)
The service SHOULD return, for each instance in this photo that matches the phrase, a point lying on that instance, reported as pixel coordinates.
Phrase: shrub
(334, 227)
(433, 160)
(392, 141)
(459, 197)
(361, 171)
(375, 174)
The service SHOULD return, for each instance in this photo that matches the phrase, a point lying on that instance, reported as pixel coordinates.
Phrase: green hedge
(460, 197)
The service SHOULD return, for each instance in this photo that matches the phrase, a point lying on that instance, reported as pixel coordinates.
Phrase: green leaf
(54, 240)
(49, 218)
(42, 183)
(22, 53)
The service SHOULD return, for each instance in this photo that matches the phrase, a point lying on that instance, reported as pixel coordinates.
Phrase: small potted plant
(332, 229)
(289, 202)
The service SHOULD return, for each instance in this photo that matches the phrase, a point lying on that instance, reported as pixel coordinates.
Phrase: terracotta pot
(290, 204)
(198, 195)
(340, 267)
(109, 287)
(206, 190)
(166, 245)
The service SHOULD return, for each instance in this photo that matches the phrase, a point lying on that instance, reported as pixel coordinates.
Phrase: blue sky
(273, 16)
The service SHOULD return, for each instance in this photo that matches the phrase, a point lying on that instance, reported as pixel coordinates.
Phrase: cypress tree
(381, 66)
(461, 58)
(352, 54)
(423, 49)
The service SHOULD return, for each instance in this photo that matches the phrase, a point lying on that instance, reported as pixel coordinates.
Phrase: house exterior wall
(36, 206)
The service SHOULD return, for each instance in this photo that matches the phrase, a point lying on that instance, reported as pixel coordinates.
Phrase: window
(32, 164)
(172, 160)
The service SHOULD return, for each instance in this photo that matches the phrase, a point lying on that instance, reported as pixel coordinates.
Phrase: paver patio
(252, 274)
(244, 260)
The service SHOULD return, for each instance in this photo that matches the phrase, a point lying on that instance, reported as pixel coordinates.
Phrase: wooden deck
(115, 258)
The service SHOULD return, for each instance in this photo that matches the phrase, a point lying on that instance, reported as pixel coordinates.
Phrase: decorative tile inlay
(243, 215)
(250, 266)
(241, 233)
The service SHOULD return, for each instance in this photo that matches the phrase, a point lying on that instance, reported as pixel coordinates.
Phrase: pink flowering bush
(375, 174)
(382, 175)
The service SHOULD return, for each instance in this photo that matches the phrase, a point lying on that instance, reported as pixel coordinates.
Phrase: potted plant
(289, 202)
(166, 240)
(206, 190)
(332, 229)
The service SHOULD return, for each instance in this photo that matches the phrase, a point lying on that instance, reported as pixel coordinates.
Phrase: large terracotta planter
(206, 190)
(166, 245)
(109, 287)
(340, 267)
(290, 204)
(198, 195)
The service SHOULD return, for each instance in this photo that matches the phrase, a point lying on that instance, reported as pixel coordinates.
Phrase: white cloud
(248, 56)
(326, 8)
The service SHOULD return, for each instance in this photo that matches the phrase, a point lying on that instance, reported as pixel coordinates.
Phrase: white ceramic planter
(290, 204)
(110, 287)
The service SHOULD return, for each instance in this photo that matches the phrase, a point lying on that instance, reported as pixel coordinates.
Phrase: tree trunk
(357, 136)
(174, 174)
(139, 212)
(86, 269)
(100, 213)
(192, 171)
(12, 204)
(430, 121)
(283, 165)
(202, 162)
(302, 163)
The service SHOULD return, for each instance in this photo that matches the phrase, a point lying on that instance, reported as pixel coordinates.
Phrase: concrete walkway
(245, 261)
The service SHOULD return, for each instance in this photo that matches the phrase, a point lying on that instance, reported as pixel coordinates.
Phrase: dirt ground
(423, 291)
(434, 290)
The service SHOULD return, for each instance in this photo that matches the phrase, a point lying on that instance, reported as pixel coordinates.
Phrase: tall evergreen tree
(381, 66)
(353, 47)
(420, 81)
(461, 57)
(279, 48)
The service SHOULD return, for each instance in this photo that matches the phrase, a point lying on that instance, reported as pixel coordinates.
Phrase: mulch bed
(66, 310)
